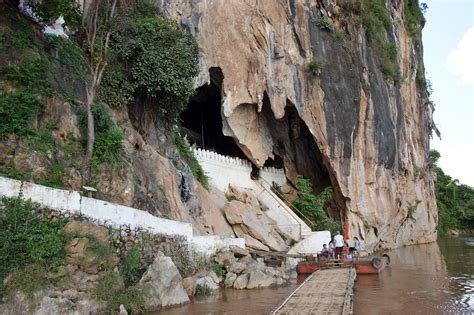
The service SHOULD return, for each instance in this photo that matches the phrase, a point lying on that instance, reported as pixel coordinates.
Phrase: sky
(448, 41)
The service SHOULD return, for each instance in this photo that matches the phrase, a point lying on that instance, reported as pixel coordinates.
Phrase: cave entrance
(202, 120)
(296, 149)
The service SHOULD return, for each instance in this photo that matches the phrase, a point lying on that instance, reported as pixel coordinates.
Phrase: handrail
(288, 203)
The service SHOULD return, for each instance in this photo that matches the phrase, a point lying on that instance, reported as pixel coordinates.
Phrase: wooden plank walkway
(326, 291)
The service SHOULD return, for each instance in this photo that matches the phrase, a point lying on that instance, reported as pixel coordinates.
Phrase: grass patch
(218, 269)
(314, 66)
(111, 289)
(202, 290)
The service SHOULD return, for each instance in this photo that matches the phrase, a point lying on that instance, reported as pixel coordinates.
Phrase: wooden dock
(326, 291)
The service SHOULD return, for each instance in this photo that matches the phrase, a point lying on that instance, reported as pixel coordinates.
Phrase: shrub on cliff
(155, 58)
(312, 206)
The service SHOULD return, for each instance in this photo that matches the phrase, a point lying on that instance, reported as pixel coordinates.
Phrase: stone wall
(71, 203)
(224, 171)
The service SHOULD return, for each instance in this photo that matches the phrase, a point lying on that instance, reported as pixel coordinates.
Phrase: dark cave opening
(295, 147)
(202, 120)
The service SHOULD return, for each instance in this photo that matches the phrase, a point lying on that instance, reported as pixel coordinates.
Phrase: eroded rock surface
(349, 127)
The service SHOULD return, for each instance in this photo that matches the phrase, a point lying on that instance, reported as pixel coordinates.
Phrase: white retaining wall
(271, 175)
(114, 215)
(224, 171)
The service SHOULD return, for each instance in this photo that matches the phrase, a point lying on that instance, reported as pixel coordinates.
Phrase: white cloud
(460, 61)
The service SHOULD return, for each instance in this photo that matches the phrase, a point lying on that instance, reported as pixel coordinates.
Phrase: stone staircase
(224, 171)
(277, 209)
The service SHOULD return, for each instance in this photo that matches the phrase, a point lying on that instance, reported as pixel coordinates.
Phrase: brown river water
(436, 278)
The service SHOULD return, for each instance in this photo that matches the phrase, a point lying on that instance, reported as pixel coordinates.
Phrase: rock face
(163, 284)
(82, 250)
(347, 126)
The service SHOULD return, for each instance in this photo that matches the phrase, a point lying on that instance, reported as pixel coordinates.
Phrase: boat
(372, 265)
(363, 265)
(310, 266)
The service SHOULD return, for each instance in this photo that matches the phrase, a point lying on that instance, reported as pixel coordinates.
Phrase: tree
(94, 28)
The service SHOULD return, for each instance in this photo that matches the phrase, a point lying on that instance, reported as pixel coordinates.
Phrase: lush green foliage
(26, 238)
(455, 200)
(312, 206)
(23, 75)
(202, 289)
(187, 154)
(108, 138)
(414, 19)
(48, 11)
(130, 266)
(314, 66)
(157, 58)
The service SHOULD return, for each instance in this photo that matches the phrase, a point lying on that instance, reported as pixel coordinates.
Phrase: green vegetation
(202, 290)
(455, 200)
(23, 82)
(130, 266)
(314, 66)
(29, 245)
(112, 290)
(312, 206)
(156, 58)
(323, 23)
(70, 56)
(414, 19)
(48, 11)
(376, 20)
(187, 154)
(108, 138)
(218, 269)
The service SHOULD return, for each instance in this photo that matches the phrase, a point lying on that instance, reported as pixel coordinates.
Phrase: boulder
(72, 178)
(163, 284)
(241, 281)
(189, 286)
(239, 251)
(251, 221)
(258, 279)
(236, 267)
(31, 162)
(229, 279)
(224, 258)
(207, 281)
(215, 277)
(88, 229)
(82, 250)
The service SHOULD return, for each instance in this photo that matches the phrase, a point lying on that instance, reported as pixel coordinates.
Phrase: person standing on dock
(339, 240)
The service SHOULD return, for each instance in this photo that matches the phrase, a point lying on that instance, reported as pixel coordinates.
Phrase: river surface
(436, 278)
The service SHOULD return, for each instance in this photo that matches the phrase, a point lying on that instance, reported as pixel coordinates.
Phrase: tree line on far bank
(455, 200)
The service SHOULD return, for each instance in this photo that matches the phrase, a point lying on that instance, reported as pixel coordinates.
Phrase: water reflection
(423, 279)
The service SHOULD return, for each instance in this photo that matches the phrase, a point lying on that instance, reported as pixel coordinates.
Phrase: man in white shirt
(339, 240)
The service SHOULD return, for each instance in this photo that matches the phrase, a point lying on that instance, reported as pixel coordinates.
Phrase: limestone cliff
(343, 124)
